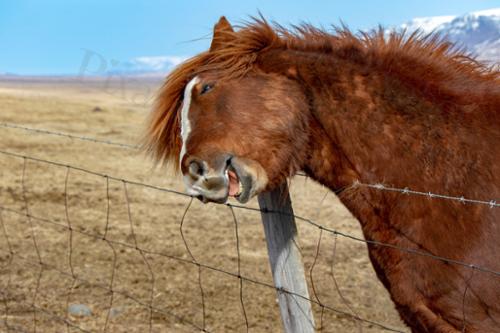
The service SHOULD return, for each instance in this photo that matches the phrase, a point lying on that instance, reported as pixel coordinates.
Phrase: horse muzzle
(226, 176)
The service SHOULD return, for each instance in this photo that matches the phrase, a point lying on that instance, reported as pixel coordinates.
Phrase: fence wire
(378, 186)
(43, 268)
(68, 135)
(492, 203)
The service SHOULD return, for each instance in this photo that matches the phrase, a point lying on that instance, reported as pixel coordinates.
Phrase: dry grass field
(93, 255)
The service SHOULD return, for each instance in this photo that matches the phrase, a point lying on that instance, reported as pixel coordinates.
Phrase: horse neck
(350, 138)
(374, 127)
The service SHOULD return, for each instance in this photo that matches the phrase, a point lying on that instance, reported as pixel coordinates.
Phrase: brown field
(88, 251)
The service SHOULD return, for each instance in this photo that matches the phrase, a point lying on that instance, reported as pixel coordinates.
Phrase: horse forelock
(162, 138)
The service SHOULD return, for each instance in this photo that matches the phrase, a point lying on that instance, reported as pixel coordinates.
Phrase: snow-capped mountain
(427, 24)
(144, 66)
(478, 31)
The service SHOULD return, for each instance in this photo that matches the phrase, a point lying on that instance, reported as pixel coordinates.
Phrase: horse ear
(222, 34)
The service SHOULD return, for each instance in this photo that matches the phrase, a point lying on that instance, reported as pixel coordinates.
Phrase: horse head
(239, 134)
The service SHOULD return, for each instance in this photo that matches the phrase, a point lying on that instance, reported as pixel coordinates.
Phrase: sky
(57, 37)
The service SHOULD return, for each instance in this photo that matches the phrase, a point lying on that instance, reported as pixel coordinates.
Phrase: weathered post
(286, 261)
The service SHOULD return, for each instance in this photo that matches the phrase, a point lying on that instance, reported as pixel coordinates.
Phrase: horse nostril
(228, 160)
(196, 169)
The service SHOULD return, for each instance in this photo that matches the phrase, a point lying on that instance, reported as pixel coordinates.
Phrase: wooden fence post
(286, 261)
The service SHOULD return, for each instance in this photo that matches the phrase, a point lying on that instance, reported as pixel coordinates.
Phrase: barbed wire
(300, 218)
(68, 135)
(379, 186)
(406, 190)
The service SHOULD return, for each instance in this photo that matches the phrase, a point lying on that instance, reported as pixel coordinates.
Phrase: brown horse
(407, 110)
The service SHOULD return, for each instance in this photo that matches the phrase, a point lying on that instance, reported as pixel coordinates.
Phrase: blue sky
(43, 37)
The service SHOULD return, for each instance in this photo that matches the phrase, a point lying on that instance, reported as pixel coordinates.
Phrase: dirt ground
(67, 240)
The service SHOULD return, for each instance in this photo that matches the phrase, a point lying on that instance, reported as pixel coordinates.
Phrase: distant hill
(478, 31)
(146, 66)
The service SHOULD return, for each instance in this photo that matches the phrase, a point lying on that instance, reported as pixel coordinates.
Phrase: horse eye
(206, 88)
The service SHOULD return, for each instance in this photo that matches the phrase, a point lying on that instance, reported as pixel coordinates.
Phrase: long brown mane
(424, 61)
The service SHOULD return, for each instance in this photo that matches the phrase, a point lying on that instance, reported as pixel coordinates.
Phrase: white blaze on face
(185, 123)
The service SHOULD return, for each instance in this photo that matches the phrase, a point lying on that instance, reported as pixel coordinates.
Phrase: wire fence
(197, 320)
(67, 135)
(379, 186)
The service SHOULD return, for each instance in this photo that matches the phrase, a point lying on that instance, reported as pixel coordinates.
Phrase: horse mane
(439, 61)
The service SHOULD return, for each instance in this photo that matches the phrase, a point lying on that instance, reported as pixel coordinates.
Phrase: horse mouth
(238, 177)
(235, 186)
(240, 183)
(246, 178)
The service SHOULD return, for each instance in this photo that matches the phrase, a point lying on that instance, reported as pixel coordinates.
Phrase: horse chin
(251, 176)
